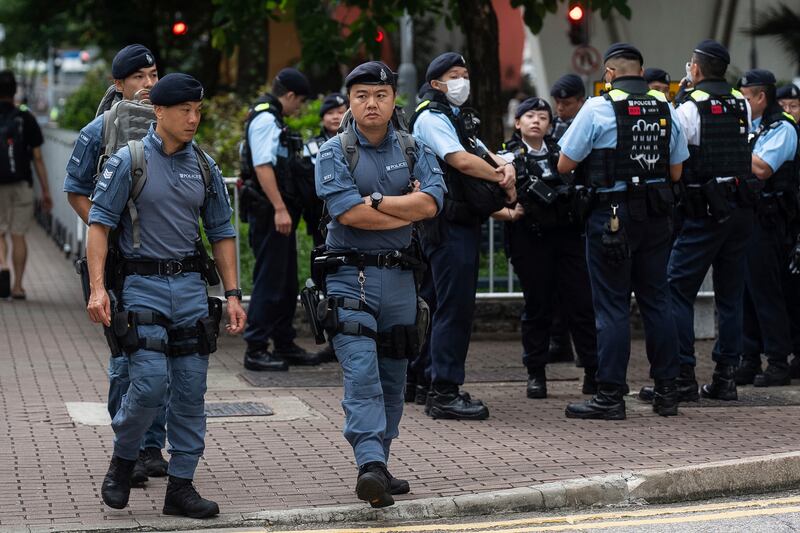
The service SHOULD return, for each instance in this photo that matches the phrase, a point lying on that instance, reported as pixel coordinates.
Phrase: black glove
(794, 258)
(615, 245)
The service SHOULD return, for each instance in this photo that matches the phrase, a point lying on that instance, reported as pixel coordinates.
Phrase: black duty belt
(393, 259)
(171, 267)
(611, 197)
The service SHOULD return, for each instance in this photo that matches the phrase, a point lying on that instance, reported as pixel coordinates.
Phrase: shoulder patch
(326, 154)
(428, 150)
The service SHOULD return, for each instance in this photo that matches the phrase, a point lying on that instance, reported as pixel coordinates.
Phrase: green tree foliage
(81, 106)
(782, 23)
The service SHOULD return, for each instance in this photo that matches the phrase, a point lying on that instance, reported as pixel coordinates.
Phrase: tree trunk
(479, 23)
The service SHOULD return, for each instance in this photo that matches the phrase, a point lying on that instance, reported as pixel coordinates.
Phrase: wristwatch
(376, 198)
(234, 292)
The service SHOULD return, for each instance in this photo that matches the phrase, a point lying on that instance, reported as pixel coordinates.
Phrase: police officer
(333, 108)
(628, 230)
(544, 243)
(569, 95)
(268, 159)
(774, 160)
(372, 295)
(717, 219)
(134, 72)
(451, 241)
(169, 327)
(657, 79)
(789, 99)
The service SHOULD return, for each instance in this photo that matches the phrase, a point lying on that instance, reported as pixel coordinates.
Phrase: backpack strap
(349, 143)
(205, 170)
(138, 179)
(109, 98)
(409, 147)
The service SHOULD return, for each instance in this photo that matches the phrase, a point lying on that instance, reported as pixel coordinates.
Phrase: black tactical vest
(723, 150)
(644, 126)
(468, 200)
(785, 178)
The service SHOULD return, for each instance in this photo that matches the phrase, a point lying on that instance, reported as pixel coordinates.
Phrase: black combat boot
(116, 488)
(589, 380)
(296, 355)
(775, 375)
(139, 474)
(154, 462)
(723, 384)
(747, 370)
(537, 383)
(397, 486)
(373, 485)
(260, 359)
(447, 402)
(665, 397)
(421, 397)
(182, 499)
(607, 404)
(685, 383)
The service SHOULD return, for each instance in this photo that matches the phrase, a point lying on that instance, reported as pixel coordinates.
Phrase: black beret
(712, 48)
(533, 104)
(176, 88)
(130, 59)
(656, 74)
(757, 76)
(443, 63)
(788, 91)
(567, 86)
(332, 101)
(371, 73)
(623, 49)
(294, 81)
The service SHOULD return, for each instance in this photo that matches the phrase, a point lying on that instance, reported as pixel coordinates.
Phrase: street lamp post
(407, 74)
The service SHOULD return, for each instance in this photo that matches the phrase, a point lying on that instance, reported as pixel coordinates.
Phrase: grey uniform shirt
(381, 168)
(170, 204)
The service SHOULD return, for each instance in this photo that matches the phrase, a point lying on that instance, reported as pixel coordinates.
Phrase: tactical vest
(469, 200)
(293, 191)
(785, 178)
(723, 150)
(644, 127)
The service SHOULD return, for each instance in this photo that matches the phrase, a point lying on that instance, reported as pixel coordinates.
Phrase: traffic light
(179, 27)
(379, 36)
(578, 24)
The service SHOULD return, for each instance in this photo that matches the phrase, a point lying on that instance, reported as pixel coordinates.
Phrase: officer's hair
(625, 64)
(278, 89)
(8, 84)
(710, 67)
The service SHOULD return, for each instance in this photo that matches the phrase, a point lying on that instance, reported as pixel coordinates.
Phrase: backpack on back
(13, 151)
(123, 121)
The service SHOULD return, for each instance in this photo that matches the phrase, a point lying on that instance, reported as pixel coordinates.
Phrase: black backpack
(14, 156)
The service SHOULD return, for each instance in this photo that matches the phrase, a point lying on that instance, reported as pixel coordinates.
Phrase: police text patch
(396, 166)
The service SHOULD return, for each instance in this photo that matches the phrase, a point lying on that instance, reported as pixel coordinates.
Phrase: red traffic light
(179, 28)
(575, 13)
(379, 36)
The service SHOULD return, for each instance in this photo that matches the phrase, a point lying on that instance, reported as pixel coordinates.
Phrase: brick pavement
(51, 467)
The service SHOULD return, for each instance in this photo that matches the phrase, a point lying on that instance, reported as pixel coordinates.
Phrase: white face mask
(457, 91)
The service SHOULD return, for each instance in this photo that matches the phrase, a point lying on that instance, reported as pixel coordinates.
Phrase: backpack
(139, 177)
(123, 121)
(14, 156)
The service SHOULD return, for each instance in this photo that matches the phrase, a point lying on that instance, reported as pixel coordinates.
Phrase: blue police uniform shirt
(382, 168)
(435, 130)
(777, 145)
(595, 127)
(82, 164)
(169, 206)
(264, 138)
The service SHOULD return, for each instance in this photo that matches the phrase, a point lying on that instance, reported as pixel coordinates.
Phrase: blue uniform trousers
(644, 273)
(373, 386)
(274, 298)
(118, 383)
(765, 319)
(702, 243)
(183, 300)
(453, 255)
(551, 267)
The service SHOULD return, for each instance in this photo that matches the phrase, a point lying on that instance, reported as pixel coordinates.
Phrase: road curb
(724, 478)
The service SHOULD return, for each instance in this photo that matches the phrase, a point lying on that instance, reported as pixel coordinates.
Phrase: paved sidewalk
(51, 464)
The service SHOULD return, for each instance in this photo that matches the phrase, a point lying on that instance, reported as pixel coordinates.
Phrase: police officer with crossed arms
(371, 297)
(168, 325)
